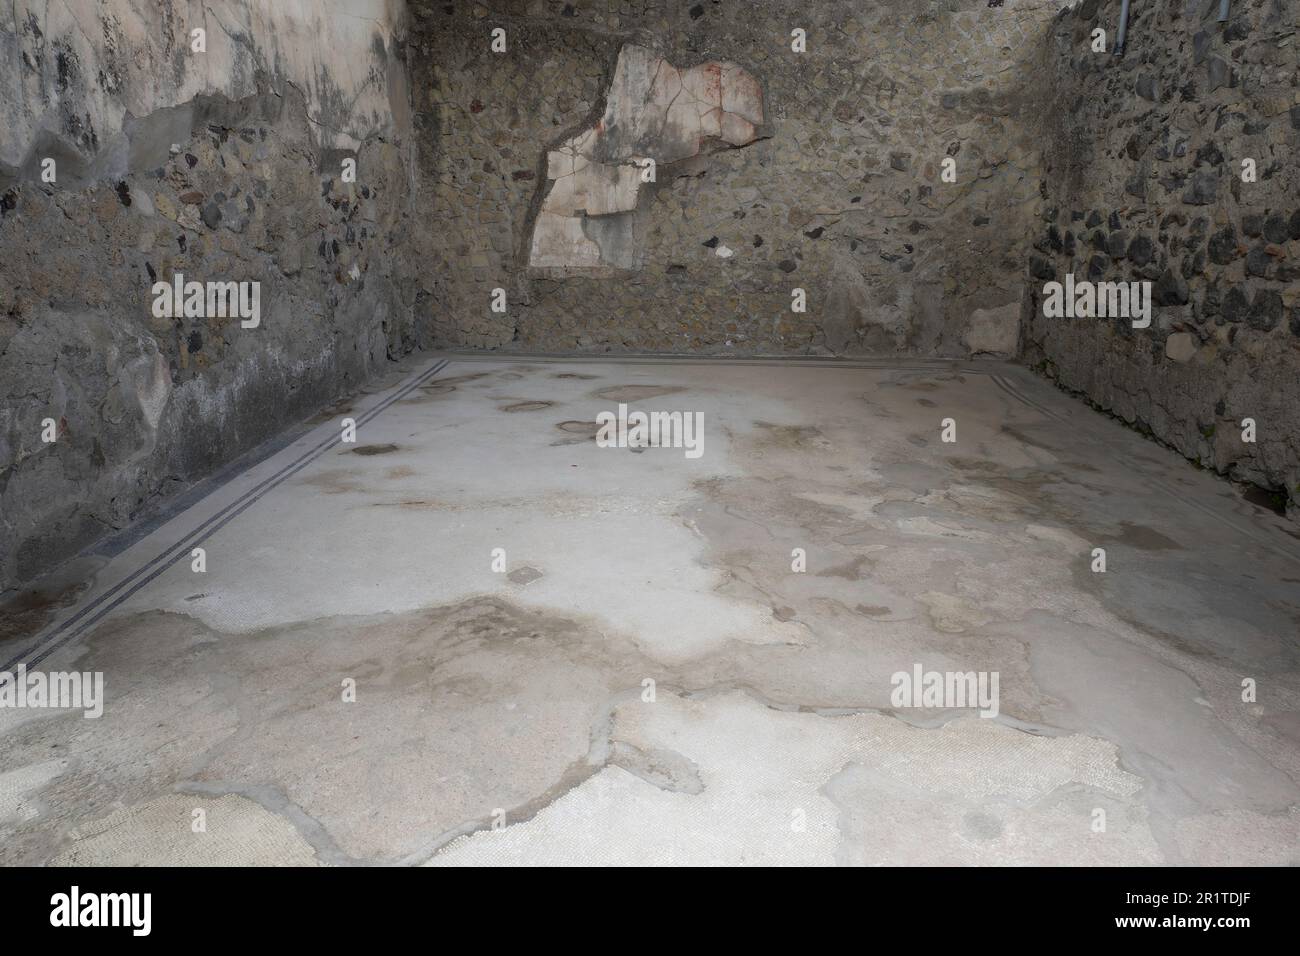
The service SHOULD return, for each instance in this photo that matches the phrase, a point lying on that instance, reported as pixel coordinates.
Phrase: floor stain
(459, 379)
(1144, 538)
(635, 393)
(30, 610)
(429, 393)
(872, 610)
(331, 413)
(534, 406)
(524, 576)
(849, 572)
(368, 450)
(335, 481)
(802, 437)
(920, 386)
(578, 432)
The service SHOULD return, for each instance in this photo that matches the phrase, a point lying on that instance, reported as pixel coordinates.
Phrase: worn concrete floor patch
(163, 832)
(778, 798)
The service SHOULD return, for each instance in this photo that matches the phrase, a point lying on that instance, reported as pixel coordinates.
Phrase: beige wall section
(76, 68)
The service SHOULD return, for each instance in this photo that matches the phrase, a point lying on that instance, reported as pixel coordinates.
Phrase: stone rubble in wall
(1144, 183)
(840, 195)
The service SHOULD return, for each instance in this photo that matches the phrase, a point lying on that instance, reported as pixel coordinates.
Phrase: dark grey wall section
(224, 166)
(1143, 175)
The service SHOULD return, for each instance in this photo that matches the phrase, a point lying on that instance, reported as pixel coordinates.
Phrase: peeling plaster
(654, 111)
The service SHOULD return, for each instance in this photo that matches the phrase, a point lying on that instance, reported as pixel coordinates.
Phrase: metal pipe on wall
(1223, 10)
(1122, 36)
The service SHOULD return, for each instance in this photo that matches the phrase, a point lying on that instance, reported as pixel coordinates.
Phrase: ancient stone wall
(826, 175)
(1146, 180)
(129, 158)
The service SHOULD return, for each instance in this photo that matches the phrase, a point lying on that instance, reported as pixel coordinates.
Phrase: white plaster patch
(653, 111)
(153, 386)
(765, 798)
(994, 331)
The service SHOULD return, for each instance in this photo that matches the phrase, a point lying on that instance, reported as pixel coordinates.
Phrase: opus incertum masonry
(208, 300)
(1098, 300)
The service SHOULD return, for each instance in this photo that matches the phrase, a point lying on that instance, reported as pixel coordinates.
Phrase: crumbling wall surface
(775, 170)
(1146, 181)
(129, 158)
